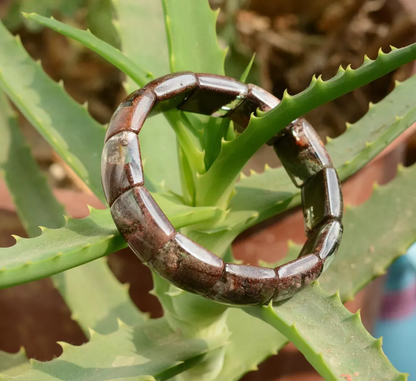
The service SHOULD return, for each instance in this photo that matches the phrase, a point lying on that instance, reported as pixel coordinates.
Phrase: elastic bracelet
(175, 257)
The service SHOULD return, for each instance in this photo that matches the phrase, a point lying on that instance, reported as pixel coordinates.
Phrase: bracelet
(175, 257)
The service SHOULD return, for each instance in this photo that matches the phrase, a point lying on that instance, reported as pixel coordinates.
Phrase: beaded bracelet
(175, 257)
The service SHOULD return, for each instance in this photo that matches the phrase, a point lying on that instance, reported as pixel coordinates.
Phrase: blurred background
(291, 41)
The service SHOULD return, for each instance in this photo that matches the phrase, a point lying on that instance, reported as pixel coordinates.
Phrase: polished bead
(256, 98)
(321, 198)
(244, 285)
(121, 165)
(295, 275)
(301, 152)
(187, 265)
(324, 241)
(172, 89)
(215, 95)
(141, 222)
(132, 113)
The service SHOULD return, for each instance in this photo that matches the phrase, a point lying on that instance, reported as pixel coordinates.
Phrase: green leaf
(31, 193)
(100, 20)
(273, 192)
(79, 242)
(251, 342)
(364, 243)
(235, 154)
(105, 50)
(12, 364)
(368, 248)
(192, 37)
(147, 352)
(157, 132)
(94, 296)
(331, 338)
(65, 124)
(157, 139)
(135, 20)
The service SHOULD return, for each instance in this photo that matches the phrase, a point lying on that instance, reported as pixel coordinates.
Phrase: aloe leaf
(100, 20)
(151, 351)
(235, 154)
(13, 364)
(331, 338)
(93, 294)
(78, 242)
(65, 124)
(157, 133)
(192, 37)
(21, 173)
(104, 49)
(365, 244)
(143, 39)
(251, 342)
(368, 248)
(272, 192)
(142, 33)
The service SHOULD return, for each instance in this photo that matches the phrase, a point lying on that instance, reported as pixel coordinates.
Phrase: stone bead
(215, 95)
(321, 198)
(256, 98)
(324, 241)
(301, 152)
(187, 265)
(121, 165)
(244, 285)
(172, 89)
(132, 113)
(141, 222)
(295, 275)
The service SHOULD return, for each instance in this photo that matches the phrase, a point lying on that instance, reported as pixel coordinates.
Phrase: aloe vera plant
(196, 339)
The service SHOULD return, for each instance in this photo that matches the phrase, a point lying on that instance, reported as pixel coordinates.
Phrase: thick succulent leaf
(142, 34)
(65, 124)
(251, 341)
(21, 174)
(368, 248)
(105, 50)
(100, 15)
(157, 132)
(151, 351)
(12, 364)
(96, 298)
(235, 154)
(93, 294)
(143, 39)
(192, 37)
(79, 242)
(332, 339)
(272, 192)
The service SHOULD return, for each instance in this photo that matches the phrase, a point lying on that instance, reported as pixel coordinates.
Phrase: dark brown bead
(132, 113)
(324, 241)
(215, 95)
(244, 285)
(295, 275)
(172, 89)
(141, 222)
(187, 265)
(121, 165)
(256, 98)
(321, 198)
(301, 152)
